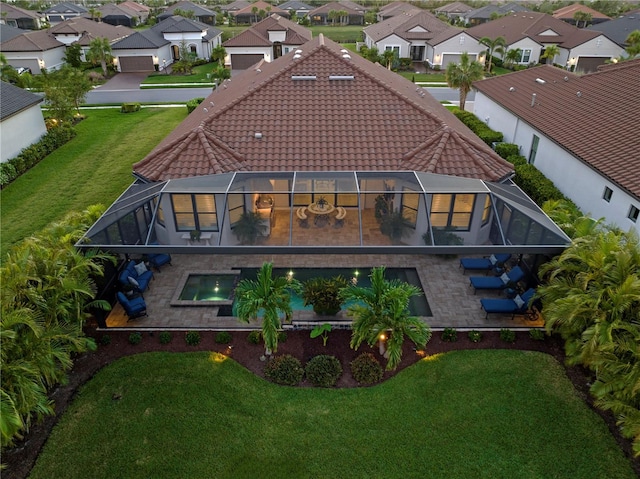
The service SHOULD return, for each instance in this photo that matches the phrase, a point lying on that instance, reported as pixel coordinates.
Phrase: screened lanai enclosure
(317, 212)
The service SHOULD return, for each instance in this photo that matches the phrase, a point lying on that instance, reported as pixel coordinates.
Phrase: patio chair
(134, 307)
(484, 264)
(517, 305)
(136, 275)
(303, 219)
(342, 213)
(159, 259)
(497, 282)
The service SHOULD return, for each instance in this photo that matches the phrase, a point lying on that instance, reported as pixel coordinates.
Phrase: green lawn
(94, 167)
(199, 75)
(468, 414)
(424, 77)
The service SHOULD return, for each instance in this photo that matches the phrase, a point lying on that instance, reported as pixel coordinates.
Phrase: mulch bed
(20, 460)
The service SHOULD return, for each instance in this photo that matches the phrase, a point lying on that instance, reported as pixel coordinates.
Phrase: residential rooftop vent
(579, 94)
(302, 77)
(298, 52)
(533, 99)
(344, 50)
(257, 135)
(340, 77)
(566, 78)
(296, 56)
(541, 81)
(346, 56)
(512, 88)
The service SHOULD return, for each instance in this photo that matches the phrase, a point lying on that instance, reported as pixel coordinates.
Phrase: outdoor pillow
(505, 278)
(519, 301)
(134, 282)
(493, 259)
(140, 268)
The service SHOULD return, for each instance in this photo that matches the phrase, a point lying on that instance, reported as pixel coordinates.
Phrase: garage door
(454, 58)
(242, 62)
(589, 64)
(136, 64)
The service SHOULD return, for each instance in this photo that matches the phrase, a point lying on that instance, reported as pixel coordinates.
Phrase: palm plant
(550, 52)
(462, 75)
(512, 57)
(100, 52)
(388, 56)
(383, 310)
(269, 297)
(250, 225)
(496, 45)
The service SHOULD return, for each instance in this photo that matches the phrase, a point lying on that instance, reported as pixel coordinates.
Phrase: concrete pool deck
(452, 301)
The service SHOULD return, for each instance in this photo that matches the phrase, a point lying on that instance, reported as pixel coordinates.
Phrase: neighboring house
(453, 11)
(21, 120)
(323, 124)
(422, 36)
(489, 12)
(251, 13)
(35, 51)
(266, 40)
(294, 6)
(117, 14)
(567, 14)
(580, 50)
(7, 32)
(142, 10)
(83, 30)
(64, 11)
(159, 46)
(353, 14)
(580, 131)
(201, 14)
(619, 28)
(393, 9)
(234, 6)
(21, 18)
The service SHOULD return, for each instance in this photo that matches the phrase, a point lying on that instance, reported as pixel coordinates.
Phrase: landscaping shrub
(193, 104)
(223, 337)
(449, 335)
(517, 160)
(165, 337)
(536, 185)
(254, 337)
(485, 133)
(285, 370)
(135, 338)
(537, 334)
(507, 335)
(323, 370)
(105, 339)
(475, 336)
(366, 369)
(282, 337)
(130, 107)
(505, 150)
(192, 338)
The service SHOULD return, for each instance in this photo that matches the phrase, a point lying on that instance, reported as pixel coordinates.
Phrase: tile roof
(604, 104)
(401, 25)
(350, 7)
(154, 37)
(488, 10)
(136, 6)
(455, 7)
(569, 11)
(619, 28)
(517, 26)
(260, 5)
(325, 110)
(141, 40)
(398, 9)
(39, 40)
(14, 100)
(189, 6)
(7, 32)
(88, 29)
(112, 9)
(13, 12)
(65, 7)
(233, 6)
(294, 5)
(258, 34)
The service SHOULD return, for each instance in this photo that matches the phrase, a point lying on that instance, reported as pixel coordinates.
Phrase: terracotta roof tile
(309, 118)
(569, 11)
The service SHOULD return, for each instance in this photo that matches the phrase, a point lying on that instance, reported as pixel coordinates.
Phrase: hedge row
(193, 104)
(485, 133)
(32, 155)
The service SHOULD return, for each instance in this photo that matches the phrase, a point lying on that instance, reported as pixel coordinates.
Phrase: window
(534, 149)
(452, 211)
(526, 56)
(486, 212)
(410, 202)
(194, 212)
(394, 49)
(193, 49)
(236, 207)
(608, 193)
(633, 213)
(461, 39)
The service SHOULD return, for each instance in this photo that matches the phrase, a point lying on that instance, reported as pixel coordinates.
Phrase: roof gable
(570, 10)
(13, 100)
(258, 34)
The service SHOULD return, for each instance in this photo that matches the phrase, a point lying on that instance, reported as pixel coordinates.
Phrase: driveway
(124, 81)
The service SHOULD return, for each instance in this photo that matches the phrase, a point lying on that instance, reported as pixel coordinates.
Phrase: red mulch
(20, 460)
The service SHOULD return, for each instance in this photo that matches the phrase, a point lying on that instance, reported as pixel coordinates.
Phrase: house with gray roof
(489, 12)
(21, 18)
(423, 37)
(393, 9)
(618, 29)
(34, 50)
(7, 32)
(265, 41)
(200, 13)
(454, 10)
(235, 6)
(580, 131)
(256, 12)
(21, 120)
(294, 6)
(118, 14)
(354, 13)
(64, 11)
(567, 14)
(159, 46)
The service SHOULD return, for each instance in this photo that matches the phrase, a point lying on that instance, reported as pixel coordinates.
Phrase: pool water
(209, 287)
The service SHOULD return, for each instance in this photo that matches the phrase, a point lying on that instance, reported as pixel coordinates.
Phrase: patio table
(320, 212)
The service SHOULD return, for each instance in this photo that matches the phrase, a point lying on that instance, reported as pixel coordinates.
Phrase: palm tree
(582, 17)
(512, 57)
(254, 12)
(218, 54)
(388, 57)
(633, 43)
(496, 45)
(381, 312)
(462, 75)
(268, 296)
(100, 52)
(550, 52)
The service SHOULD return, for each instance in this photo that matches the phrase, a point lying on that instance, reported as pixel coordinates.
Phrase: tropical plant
(633, 43)
(394, 225)
(462, 75)
(382, 310)
(582, 17)
(550, 52)
(100, 52)
(324, 294)
(388, 56)
(285, 370)
(64, 90)
(249, 227)
(494, 46)
(323, 370)
(323, 331)
(268, 296)
(366, 369)
(218, 54)
(512, 56)
(73, 55)
(573, 222)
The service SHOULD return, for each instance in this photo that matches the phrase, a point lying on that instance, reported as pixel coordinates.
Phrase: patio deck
(447, 289)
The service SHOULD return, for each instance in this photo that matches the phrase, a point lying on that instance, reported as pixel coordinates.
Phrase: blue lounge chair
(134, 307)
(138, 280)
(497, 282)
(484, 264)
(159, 259)
(518, 305)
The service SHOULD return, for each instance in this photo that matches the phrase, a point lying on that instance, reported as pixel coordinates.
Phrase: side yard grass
(481, 414)
(94, 167)
(199, 75)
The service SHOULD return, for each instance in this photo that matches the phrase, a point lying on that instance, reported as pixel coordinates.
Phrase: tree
(10, 75)
(462, 75)
(633, 43)
(381, 313)
(218, 54)
(333, 16)
(512, 57)
(268, 296)
(185, 13)
(73, 55)
(550, 52)
(388, 57)
(186, 61)
(100, 52)
(496, 45)
(254, 12)
(95, 14)
(64, 90)
(583, 17)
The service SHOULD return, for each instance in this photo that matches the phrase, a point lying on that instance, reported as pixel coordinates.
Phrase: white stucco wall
(19, 131)
(527, 44)
(162, 53)
(455, 45)
(394, 41)
(52, 59)
(600, 46)
(571, 176)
